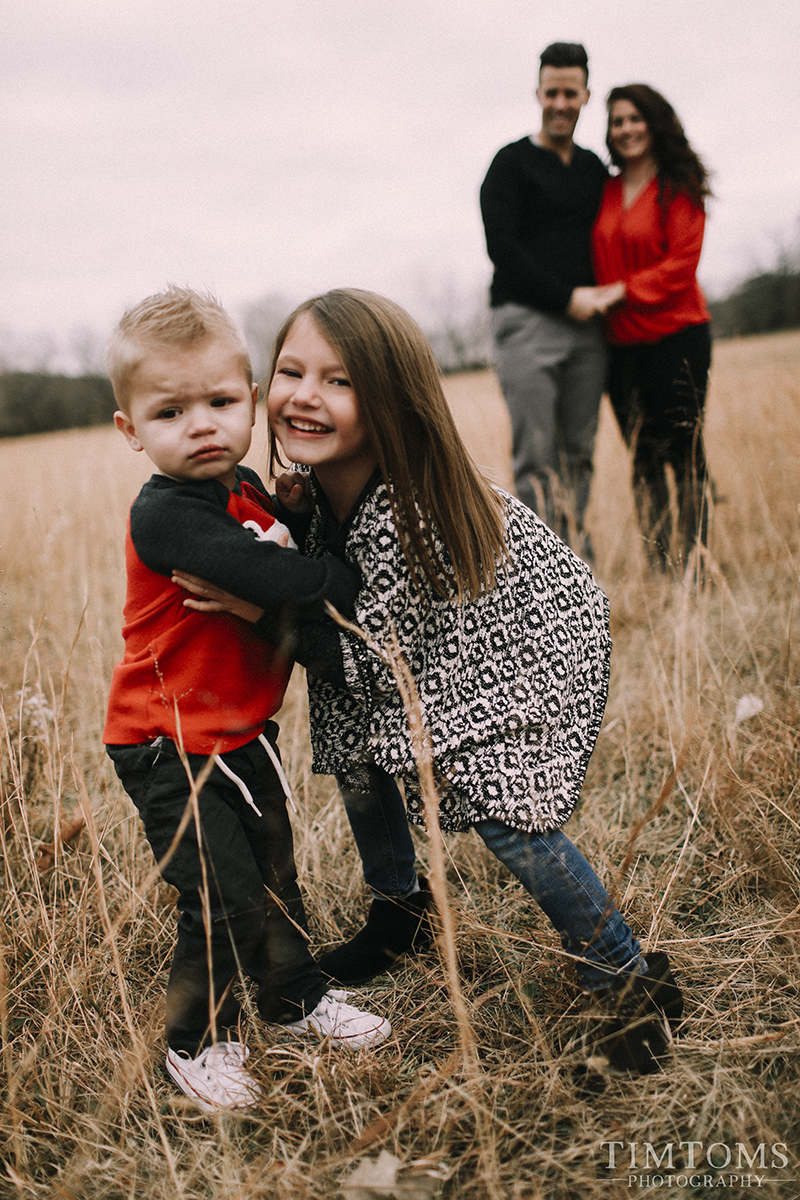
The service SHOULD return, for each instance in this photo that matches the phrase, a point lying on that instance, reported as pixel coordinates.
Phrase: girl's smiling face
(314, 410)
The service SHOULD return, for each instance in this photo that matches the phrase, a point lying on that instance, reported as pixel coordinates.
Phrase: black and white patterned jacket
(512, 685)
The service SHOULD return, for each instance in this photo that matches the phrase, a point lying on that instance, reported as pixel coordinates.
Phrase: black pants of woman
(658, 394)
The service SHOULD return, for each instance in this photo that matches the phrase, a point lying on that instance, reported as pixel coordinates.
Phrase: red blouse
(655, 253)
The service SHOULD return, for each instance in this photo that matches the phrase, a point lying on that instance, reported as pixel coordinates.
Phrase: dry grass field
(711, 874)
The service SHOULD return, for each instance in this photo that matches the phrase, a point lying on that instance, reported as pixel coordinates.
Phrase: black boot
(394, 928)
(629, 1031)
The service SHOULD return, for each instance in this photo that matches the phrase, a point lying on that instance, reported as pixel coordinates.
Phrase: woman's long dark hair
(680, 169)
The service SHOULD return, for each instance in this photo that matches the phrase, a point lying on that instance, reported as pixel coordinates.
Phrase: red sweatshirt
(208, 675)
(655, 253)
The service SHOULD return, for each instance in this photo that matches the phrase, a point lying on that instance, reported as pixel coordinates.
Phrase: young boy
(193, 688)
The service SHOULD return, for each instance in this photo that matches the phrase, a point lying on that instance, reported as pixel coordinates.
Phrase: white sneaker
(216, 1078)
(343, 1024)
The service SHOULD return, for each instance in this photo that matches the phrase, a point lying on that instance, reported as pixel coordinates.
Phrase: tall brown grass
(712, 876)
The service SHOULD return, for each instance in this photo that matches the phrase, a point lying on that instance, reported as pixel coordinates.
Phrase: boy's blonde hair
(433, 483)
(176, 317)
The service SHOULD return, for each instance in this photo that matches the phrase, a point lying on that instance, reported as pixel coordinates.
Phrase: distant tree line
(768, 300)
(34, 402)
(455, 320)
(762, 304)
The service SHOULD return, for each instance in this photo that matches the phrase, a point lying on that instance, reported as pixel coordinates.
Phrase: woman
(646, 244)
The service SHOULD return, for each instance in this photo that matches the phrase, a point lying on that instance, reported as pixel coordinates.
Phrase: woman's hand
(293, 489)
(207, 598)
(583, 304)
(613, 293)
(587, 302)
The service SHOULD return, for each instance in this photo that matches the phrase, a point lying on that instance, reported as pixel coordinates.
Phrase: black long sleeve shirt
(179, 525)
(538, 214)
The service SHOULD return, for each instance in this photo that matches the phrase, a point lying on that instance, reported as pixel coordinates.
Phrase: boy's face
(191, 409)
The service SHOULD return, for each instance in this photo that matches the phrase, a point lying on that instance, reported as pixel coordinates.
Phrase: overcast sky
(279, 147)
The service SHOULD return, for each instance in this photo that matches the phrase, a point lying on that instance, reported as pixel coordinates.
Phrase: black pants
(658, 393)
(247, 916)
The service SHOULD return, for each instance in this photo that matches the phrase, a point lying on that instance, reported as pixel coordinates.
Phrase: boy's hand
(276, 533)
(207, 598)
(294, 492)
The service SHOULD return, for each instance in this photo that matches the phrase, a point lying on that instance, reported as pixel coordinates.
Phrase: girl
(646, 243)
(503, 628)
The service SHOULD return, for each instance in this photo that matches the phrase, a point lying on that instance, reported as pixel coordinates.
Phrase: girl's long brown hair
(432, 482)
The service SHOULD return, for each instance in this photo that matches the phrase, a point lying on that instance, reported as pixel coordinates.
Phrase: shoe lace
(223, 1055)
(332, 1012)
(327, 1009)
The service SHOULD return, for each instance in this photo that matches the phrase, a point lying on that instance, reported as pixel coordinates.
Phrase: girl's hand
(294, 492)
(207, 598)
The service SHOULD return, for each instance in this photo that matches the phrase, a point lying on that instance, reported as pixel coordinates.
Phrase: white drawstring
(242, 786)
(240, 783)
(276, 762)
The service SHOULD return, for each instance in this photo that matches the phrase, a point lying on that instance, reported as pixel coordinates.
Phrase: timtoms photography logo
(697, 1164)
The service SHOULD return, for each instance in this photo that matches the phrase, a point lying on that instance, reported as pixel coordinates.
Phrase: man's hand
(583, 304)
(611, 294)
(587, 302)
(294, 492)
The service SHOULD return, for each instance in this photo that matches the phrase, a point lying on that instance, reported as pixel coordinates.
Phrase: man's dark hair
(565, 54)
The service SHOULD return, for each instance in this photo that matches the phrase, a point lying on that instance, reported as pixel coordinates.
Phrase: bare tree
(87, 348)
(8, 356)
(261, 320)
(37, 352)
(455, 318)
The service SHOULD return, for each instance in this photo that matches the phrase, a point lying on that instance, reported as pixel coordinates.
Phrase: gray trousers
(552, 371)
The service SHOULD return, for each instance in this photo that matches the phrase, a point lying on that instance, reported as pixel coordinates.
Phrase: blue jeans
(549, 867)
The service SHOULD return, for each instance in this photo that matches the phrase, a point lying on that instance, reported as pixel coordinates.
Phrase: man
(538, 202)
